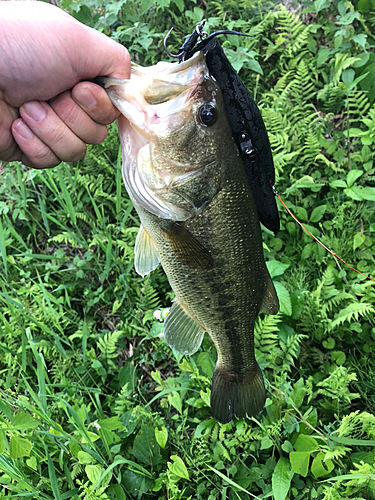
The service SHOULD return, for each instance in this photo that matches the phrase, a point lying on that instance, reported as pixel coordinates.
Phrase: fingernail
(85, 97)
(35, 110)
(23, 130)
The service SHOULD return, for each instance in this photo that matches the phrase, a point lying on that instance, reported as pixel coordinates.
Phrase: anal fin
(181, 332)
(270, 304)
(146, 256)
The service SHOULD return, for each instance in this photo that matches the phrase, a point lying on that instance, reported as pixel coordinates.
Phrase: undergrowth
(93, 404)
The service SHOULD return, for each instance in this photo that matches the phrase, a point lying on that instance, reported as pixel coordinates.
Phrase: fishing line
(316, 239)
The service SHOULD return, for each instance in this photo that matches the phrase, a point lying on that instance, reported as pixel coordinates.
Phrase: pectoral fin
(181, 332)
(270, 304)
(186, 248)
(146, 256)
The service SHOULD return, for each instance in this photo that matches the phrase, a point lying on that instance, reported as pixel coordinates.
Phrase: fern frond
(107, 346)
(65, 238)
(358, 425)
(291, 349)
(149, 298)
(331, 96)
(352, 311)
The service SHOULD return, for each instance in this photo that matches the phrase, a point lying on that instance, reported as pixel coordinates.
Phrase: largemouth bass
(185, 177)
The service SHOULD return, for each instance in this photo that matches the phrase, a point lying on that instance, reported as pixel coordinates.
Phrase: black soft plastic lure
(245, 120)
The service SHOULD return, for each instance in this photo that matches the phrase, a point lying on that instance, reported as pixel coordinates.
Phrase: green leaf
(93, 472)
(306, 443)
(253, 65)
(368, 193)
(352, 176)
(116, 492)
(299, 461)
(284, 298)
(281, 479)
(174, 399)
(360, 39)
(85, 458)
(368, 457)
(354, 193)
(110, 424)
(206, 395)
(145, 447)
(32, 463)
(321, 5)
(287, 446)
(329, 343)
(161, 436)
(323, 55)
(178, 467)
(19, 447)
(338, 357)
(23, 422)
(360, 193)
(180, 4)
(276, 268)
(206, 362)
(358, 240)
(298, 393)
(318, 213)
(266, 443)
(321, 467)
(338, 183)
(308, 250)
(206, 425)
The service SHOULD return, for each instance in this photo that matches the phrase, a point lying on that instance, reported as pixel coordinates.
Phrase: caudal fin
(235, 394)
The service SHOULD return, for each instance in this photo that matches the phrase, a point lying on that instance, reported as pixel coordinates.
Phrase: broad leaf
(161, 436)
(299, 461)
(281, 479)
(19, 447)
(178, 467)
(321, 467)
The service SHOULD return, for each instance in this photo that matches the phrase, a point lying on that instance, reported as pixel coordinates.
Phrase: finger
(52, 131)
(95, 101)
(34, 153)
(79, 122)
(8, 147)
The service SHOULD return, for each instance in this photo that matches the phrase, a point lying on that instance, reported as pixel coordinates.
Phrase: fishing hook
(165, 45)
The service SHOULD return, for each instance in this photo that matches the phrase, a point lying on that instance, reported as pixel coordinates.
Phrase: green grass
(93, 403)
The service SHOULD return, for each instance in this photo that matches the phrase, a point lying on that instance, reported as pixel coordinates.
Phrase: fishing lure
(244, 117)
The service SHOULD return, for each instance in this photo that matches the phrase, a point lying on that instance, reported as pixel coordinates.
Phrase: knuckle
(43, 157)
(65, 107)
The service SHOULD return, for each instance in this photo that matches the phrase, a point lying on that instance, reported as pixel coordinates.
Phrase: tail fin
(235, 394)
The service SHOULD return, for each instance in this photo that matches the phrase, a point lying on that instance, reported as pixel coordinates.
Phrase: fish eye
(207, 115)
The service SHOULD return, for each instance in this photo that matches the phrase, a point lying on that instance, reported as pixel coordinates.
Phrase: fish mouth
(155, 100)
(156, 93)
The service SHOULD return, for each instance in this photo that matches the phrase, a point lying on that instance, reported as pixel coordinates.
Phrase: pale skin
(48, 109)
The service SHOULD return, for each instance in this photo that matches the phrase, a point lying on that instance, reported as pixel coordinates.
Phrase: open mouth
(154, 101)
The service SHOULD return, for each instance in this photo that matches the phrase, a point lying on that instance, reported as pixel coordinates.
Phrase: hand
(44, 53)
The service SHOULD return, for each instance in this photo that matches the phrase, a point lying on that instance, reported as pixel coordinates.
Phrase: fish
(185, 177)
